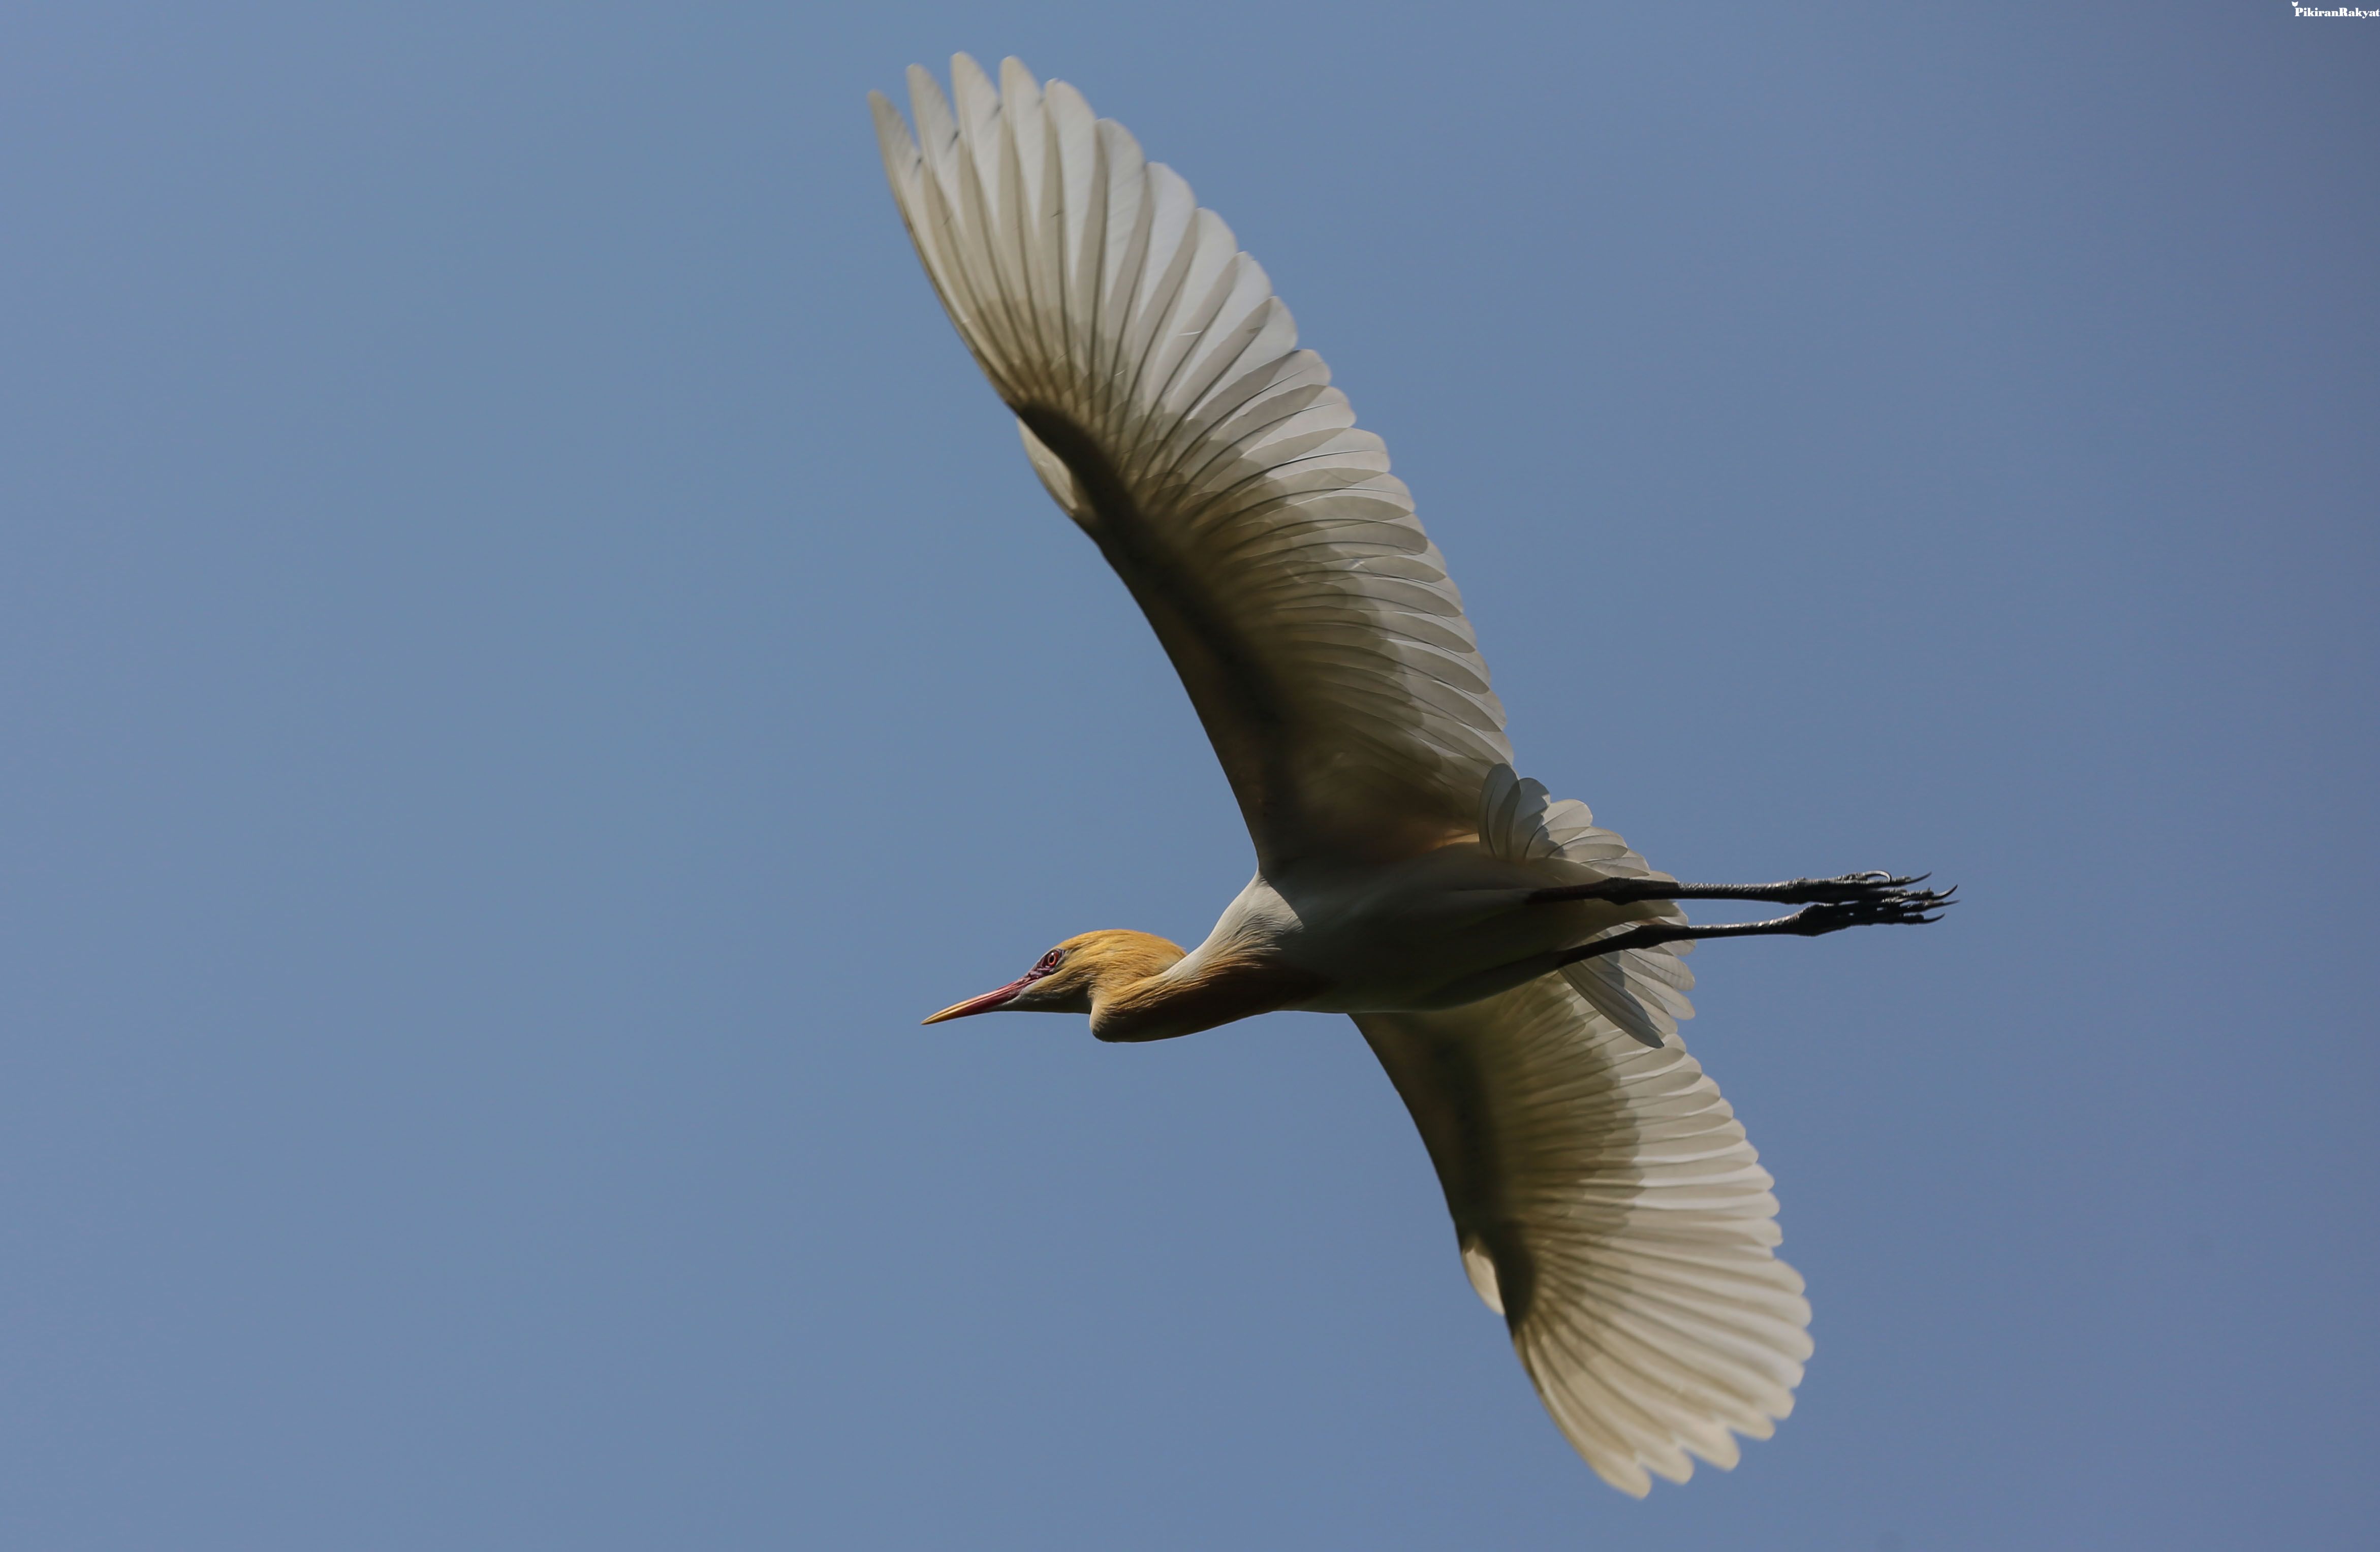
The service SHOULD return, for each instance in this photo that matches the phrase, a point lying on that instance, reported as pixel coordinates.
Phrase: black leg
(1905, 909)
(1852, 889)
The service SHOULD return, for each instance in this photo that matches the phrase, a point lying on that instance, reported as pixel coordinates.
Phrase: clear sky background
(530, 659)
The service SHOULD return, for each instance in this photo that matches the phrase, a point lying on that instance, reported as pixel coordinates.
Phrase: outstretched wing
(1606, 1203)
(1167, 408)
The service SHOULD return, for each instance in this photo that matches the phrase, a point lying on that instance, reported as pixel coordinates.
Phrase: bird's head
(1069, 977)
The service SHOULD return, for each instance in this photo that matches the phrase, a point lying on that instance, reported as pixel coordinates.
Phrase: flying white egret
(1516, 968)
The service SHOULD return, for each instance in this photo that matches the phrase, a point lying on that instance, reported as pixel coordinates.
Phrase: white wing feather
(1606, 1203)
(1166, 406)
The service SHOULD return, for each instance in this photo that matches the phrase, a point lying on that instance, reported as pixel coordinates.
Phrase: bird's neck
(1196, 992)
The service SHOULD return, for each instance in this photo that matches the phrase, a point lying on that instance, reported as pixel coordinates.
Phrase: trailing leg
(1908, 909)
(1852, 889)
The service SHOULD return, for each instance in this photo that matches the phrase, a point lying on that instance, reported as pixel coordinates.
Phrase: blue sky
(531, 659)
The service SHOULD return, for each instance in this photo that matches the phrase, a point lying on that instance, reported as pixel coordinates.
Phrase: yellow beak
(990, 1001)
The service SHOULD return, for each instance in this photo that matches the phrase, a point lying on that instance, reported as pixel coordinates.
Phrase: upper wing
(1608, 1205)
(1166, 407)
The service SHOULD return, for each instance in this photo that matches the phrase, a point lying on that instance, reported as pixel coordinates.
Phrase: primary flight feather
(1516, 968)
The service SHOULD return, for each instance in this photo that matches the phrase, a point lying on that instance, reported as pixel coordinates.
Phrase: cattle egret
(1516, 969)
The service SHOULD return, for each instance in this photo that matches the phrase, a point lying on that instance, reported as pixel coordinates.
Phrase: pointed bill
(990, 1001)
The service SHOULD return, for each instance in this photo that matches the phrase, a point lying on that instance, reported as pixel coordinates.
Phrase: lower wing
(1606, 1203)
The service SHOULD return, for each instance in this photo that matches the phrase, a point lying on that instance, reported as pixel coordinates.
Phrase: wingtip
(893, 141)
(1065, 92)
(1631, 1480)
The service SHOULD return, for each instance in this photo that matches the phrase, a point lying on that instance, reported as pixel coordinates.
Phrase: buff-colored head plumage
(1072, 977)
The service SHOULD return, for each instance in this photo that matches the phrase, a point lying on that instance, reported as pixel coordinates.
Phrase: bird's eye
(1050, 961)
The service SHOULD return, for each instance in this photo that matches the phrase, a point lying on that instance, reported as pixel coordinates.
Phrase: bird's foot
(1888, 902)
(1853, 889)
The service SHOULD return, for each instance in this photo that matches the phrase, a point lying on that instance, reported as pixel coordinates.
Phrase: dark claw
(1859, 889)
(1892, 908)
